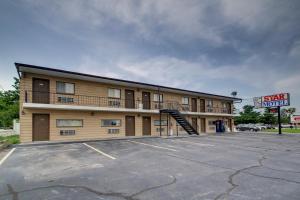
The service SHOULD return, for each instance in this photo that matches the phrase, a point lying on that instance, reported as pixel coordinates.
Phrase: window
(158, 97)
(114, 93)
(209, 103)
(66, 88)
(69, 123)
(163, 122)
(185, 100)
(110, 122)
(224, 105)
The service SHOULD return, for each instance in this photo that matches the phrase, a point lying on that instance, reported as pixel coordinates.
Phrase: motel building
(59, 105)
(295, 120)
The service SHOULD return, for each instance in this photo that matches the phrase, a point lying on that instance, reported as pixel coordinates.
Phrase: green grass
(12, 139)
(284, 130)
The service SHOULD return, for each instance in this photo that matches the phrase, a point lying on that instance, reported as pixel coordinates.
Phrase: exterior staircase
(180, 119)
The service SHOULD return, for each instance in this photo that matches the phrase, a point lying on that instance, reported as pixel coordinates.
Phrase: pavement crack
(15, 194)
(12, 192)
(155, 187)
(271, 177)
(230, 178)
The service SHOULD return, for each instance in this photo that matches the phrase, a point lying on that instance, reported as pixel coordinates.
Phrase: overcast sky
(210, 46)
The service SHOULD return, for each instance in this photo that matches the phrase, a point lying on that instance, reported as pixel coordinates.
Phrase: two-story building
(63, 105)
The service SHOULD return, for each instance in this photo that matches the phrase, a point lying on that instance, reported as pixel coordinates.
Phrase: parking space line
(7, 155)
(152, 145)
(199, 144)
(104, 154)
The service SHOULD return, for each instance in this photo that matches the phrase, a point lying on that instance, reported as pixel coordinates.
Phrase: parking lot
(230, 166)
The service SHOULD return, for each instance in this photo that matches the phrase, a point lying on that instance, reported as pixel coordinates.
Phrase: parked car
(270, 126)
(248, 127)
(287, 126)
(261, 127)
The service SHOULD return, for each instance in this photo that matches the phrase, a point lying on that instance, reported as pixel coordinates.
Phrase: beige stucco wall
(92, 128)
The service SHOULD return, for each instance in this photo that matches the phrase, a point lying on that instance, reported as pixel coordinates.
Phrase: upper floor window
(224, 105)
(185, 100)
(158, 97)
(114, 93)
(65, 88)
(209, 103)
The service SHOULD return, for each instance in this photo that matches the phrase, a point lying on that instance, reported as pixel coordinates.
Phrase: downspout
(159, 111)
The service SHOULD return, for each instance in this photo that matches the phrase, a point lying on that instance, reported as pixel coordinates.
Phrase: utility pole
(279, 120)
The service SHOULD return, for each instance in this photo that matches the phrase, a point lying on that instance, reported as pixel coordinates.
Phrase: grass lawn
(12, 139)
(284, 130)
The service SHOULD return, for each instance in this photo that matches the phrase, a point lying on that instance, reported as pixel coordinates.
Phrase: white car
(261, 127)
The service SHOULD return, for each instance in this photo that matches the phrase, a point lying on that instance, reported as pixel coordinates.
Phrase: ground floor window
(163, 122)
(110, 122)
(69, 123)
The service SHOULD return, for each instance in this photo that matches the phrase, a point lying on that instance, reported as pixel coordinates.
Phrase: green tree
(248, 116)
(268, 117)
(9, 105)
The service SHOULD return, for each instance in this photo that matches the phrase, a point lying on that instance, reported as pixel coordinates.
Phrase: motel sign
(271, 101)
(276, 100)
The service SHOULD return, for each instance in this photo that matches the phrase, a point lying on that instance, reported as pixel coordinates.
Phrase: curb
(45, 143)
(76, 141)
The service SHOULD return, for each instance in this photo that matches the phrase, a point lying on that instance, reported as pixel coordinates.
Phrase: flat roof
(94, 78)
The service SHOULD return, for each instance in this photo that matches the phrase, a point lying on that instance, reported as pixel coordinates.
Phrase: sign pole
(279, 120)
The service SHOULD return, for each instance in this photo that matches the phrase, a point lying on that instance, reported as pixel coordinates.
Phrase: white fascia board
(110, 109)
(84, 108)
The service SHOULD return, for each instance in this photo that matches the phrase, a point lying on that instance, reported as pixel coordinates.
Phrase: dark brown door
(40, 126)
(203, 126)
(129, 99)
(228, 108)
(194, 105)
(130, 125)
(202, 105)
(40, 90)
(146, 100)
(230, 124)
(194, 123)
(146, 125)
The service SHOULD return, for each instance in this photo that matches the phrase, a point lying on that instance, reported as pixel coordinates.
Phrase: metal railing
(96, 101)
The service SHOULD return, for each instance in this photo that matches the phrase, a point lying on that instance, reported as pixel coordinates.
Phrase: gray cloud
(213, 46)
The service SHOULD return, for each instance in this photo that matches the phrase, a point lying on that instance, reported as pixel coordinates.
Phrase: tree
(248, 116)
(268, 117)
(9, 105)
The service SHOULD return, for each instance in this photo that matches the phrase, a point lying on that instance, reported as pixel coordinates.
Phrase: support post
(279, 120)
(168, 124)
(159, 123)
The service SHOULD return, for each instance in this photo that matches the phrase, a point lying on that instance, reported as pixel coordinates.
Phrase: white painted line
(7, 155)
(104, 154)
(199, 144)
(153, 145)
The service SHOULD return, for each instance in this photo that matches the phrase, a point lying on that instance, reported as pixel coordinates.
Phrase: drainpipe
(159, 112)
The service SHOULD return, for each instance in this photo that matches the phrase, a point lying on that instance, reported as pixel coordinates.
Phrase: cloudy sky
(214, 46)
